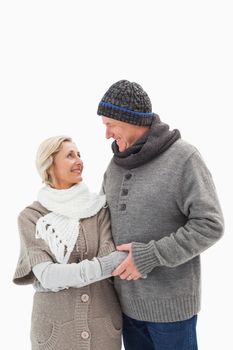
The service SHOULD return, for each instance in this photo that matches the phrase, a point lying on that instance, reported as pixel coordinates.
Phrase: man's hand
(127, 269)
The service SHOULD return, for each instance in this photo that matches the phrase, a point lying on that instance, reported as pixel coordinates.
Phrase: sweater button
(123, 207)
(124, 192)
(128, 176)
(85, 335)
(84, 298)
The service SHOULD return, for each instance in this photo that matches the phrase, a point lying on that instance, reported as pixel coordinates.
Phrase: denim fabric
(143, 335)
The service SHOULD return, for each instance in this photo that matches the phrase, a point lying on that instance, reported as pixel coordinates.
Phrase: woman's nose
(78, 160)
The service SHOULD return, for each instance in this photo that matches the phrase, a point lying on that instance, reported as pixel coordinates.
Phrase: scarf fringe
(60, 228)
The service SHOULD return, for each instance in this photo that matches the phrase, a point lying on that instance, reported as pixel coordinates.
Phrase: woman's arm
(55, 277)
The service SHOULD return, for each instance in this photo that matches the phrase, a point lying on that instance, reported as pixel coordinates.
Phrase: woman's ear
(50, 173)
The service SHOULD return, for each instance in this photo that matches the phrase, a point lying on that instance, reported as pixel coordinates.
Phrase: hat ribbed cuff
(124, 115)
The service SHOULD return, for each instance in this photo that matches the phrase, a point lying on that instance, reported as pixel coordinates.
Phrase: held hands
(127, 269)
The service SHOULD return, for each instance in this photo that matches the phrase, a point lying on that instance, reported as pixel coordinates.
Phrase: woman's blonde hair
(46, 153)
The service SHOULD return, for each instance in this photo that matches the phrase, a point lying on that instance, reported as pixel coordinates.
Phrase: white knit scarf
(60, 228)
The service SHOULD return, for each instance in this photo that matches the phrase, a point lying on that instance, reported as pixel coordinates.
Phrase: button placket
(124, 192)
(81, 314)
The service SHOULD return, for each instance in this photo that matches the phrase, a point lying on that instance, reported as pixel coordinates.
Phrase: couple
(164, 212)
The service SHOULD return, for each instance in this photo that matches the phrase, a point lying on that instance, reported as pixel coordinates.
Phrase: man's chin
(122, 148)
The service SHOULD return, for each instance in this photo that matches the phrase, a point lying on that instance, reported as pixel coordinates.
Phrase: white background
(57, 60)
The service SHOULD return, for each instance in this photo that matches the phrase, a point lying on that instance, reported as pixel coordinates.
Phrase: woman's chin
(79, 179)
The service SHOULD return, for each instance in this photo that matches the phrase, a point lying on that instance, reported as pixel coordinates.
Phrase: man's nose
(108, 134)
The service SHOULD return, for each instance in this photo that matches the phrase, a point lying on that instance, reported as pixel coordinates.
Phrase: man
(164, 212)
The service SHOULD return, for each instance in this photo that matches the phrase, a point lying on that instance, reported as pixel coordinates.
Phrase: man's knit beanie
(127, 102)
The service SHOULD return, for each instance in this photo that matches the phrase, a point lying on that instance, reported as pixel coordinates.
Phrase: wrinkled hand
(127, 269)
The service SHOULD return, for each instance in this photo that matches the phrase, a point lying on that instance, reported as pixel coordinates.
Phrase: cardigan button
(85, 335)
(84, 298)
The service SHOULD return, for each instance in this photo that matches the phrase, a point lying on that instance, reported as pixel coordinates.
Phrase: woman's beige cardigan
(87, 318)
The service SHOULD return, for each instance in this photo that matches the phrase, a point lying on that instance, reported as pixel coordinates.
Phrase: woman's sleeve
(55, 277)
(32, 250)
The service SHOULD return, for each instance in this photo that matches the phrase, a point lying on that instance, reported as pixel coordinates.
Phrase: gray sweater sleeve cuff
(109, 262)
(144, 257)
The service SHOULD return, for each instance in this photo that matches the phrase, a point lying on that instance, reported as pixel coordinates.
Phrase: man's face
(124, 134)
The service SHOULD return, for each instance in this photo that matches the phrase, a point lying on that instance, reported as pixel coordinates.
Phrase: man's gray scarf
(157, 140)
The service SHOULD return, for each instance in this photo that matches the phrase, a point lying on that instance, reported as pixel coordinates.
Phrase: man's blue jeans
(141, 335)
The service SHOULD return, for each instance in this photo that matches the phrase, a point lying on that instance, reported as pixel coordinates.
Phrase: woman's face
(67, 167)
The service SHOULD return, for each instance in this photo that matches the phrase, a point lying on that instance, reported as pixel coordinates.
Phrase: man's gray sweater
(169, 209)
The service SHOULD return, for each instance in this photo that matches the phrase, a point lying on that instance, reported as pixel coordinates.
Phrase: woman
(66, 245)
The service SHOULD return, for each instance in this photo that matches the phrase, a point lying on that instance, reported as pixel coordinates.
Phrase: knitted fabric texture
(62, 320)
(128, 102)
(60, 228)
(156, 141)
(168, 209)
